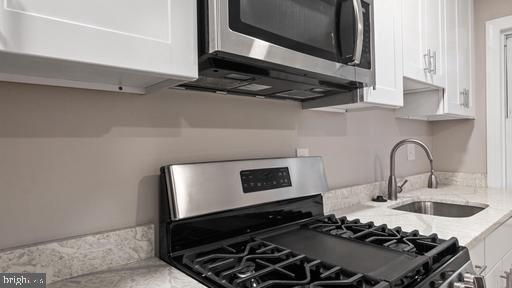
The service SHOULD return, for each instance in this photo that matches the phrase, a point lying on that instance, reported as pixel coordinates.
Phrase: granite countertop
(151, 272)
(469, 231)
(154, 273)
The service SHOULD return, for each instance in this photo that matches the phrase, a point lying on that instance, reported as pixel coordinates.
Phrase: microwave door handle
(358, 49)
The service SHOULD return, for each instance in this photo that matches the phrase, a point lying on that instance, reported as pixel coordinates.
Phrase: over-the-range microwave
(302, 50)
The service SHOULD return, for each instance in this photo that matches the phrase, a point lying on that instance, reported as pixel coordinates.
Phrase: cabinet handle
(466, 98)
(428, 63)
(507, 278)
(433, 59)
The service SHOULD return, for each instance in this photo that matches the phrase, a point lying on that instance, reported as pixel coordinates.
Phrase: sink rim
(466, 204)
(452, 202)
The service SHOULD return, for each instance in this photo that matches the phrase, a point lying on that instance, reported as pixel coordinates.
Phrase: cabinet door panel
(464, 38)
(498, 243)
(148, 36)
(453, 88)
(493, 279)
(433, 34)
(458, 64)
(477, 254)
(507, 263)
(414, 47)
(129, 17)
(388, 54)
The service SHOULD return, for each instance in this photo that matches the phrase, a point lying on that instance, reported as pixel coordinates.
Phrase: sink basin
(441, 209)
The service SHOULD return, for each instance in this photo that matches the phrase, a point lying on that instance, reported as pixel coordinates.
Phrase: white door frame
(496, 31)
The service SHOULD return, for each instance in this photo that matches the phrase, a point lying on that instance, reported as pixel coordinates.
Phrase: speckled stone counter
(149, 273)
(469, 230)
(116, 259)
(66, 258)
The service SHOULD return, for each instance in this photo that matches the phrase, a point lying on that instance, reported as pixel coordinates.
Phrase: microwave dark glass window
(306, 26)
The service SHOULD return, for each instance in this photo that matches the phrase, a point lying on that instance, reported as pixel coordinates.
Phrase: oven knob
(475, 281)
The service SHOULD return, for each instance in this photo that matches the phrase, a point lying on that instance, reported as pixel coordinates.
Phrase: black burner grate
(261, 264)
(394, 238)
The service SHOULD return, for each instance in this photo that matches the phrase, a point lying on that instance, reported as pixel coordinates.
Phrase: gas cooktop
(257, 263)
(260, 223)
(324, 252)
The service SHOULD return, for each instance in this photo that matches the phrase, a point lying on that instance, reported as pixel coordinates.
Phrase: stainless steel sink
(441, 209)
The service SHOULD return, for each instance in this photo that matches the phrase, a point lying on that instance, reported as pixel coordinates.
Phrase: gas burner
(401, 247)
(246, 270)
(341, 232)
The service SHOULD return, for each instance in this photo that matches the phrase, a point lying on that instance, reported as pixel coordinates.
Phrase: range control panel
(265, 179)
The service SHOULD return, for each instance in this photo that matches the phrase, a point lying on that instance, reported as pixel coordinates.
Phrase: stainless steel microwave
(291, 49)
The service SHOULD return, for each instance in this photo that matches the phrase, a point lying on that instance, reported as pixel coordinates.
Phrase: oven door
(329, 37)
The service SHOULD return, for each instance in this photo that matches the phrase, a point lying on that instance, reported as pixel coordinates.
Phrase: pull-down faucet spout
(393, 187)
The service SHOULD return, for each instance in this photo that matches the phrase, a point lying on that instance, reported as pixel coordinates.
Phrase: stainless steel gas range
(260, 223)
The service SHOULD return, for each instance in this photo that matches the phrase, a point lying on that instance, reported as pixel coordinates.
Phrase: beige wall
(76, 161)
(461, 145)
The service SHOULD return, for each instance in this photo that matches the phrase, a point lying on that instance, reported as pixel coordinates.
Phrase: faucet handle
(400, 187)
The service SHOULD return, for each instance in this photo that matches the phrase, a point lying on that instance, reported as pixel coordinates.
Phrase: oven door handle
(358, 49)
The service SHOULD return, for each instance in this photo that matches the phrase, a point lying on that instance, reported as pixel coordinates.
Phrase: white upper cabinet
(98, 44)
(423, 43)
(388, 54)
(413, 46)
(459, 93)
(438, 83)
(434, 40)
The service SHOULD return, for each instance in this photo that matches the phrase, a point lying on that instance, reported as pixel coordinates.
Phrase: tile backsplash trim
(68, 258)
(350, 196)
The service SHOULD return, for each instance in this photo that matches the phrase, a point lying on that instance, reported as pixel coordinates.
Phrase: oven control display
(265, 179)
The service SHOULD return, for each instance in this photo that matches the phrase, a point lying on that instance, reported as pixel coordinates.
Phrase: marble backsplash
(349, 196)
(67, 258)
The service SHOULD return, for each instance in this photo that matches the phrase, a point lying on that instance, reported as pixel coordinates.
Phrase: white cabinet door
(453, 90)
(388, 54)
(477, 254)
(507, 265)
(144, 37)
(498, 243)
(423, 38)
(433, 34)
(465, 51)
(458, 93)
(493, 277)
(414, 46)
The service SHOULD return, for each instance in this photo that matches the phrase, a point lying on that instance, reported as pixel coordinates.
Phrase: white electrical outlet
(411, 152)
(302, 152)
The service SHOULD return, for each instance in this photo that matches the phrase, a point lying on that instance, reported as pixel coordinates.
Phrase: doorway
(508, 108)
(499, 102)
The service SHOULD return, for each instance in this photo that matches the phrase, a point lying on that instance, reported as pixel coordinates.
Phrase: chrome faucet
(393, 188)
